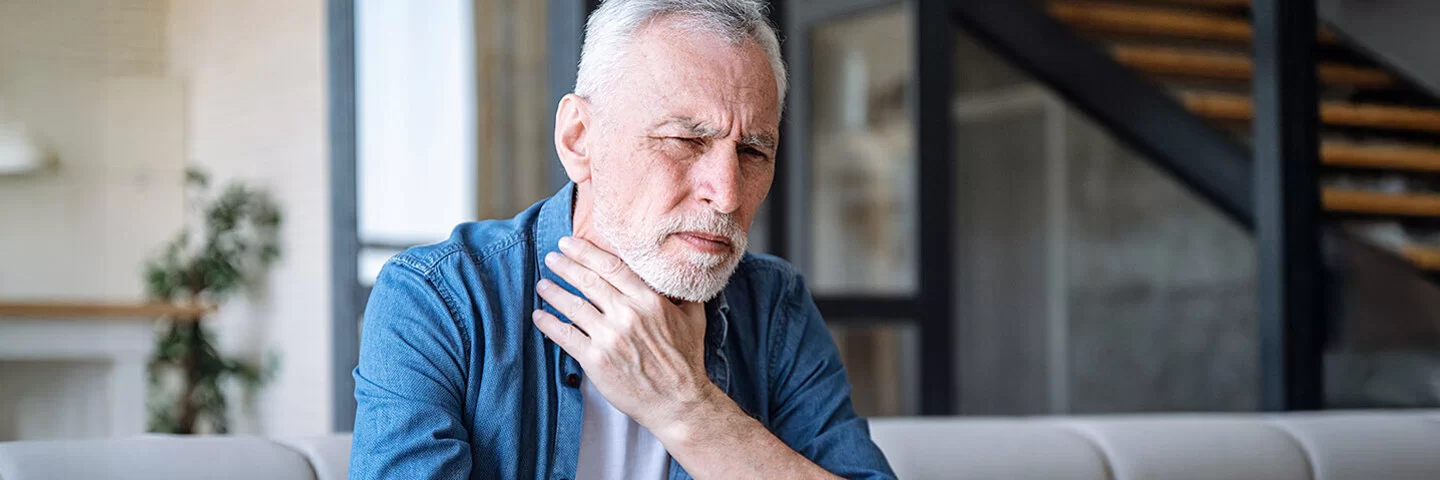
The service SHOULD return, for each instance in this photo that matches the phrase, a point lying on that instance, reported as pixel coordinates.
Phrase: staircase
(1380, 134)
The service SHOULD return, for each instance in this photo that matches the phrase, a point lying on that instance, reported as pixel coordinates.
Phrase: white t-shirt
(613, 446)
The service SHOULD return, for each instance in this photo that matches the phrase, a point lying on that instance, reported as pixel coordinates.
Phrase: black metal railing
(1291, 274)
(1272, 190)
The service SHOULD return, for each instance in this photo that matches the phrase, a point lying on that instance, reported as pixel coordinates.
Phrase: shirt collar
(553, 224)
(556, 221)
(717, 309)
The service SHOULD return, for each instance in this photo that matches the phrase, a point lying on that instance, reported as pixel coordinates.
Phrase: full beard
(689, 275)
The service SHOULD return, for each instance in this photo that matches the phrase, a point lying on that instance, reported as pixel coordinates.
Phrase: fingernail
(551, 257)
(535, 315)
(544, 284)
(566, 243)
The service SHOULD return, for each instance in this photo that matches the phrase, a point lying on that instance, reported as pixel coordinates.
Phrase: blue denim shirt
(455, 381)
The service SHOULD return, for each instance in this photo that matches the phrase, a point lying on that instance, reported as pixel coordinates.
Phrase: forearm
(719, 440)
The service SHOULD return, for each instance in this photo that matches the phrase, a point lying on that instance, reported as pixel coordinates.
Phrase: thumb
(693, 310)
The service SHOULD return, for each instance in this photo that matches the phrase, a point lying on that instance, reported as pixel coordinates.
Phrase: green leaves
(236, 243)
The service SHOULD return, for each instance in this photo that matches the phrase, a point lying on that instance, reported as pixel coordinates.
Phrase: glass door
(847, 208)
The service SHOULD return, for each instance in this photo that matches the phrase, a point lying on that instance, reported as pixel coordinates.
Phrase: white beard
(691, 275)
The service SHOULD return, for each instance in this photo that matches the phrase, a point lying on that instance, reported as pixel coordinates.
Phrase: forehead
(673, 71)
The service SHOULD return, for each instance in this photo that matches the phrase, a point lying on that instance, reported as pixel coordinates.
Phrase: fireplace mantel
(77, 369)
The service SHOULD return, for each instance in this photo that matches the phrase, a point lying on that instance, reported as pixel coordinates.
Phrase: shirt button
(572, 380)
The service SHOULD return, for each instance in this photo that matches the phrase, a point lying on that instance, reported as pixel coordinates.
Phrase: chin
(684, 278)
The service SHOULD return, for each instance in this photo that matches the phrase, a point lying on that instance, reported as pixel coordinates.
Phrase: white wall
(254, 75)
(126, 93)
(87, 78)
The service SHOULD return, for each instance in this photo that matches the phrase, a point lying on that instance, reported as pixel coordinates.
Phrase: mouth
(705, 242)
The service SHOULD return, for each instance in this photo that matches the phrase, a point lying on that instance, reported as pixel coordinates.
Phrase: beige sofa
(1332, 445)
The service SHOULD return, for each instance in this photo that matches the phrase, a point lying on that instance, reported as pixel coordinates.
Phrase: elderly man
(619, 329)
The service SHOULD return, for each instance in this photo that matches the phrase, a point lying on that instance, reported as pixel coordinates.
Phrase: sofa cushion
(153, 457)
(1356, 446)
(953, 447)
(1184, 447)
(329, 455)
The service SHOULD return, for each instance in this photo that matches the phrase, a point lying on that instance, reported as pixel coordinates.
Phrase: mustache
(720, 225)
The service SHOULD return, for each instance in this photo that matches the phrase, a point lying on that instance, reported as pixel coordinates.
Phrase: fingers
(586, 280)
(607, 265)
(693, 309)
(563, 334)
(575, 308)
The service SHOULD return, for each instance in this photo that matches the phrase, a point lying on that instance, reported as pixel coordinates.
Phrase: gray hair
(610, 28)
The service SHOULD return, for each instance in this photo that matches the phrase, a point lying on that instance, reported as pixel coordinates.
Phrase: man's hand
(645, 353)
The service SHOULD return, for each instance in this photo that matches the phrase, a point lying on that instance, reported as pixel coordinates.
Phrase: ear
(572, 126)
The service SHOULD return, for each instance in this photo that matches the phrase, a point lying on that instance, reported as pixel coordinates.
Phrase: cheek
(756, 187)
(757, 180)
(758, 184)
(631, 168)
(649, 185)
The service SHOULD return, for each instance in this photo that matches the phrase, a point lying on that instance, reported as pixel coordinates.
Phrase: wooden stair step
(1232, 107)
(1381, 157)
(1207, 3)
(1158, 22)
(1230, 66)
(1376, 203)
(1426, 258)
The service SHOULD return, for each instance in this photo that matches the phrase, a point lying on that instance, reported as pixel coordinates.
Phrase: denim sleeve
(409, 384)
(811, 405)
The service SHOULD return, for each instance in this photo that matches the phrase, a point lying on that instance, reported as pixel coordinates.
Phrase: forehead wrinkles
(701, 128)
(702, 61)
(659, 79)
(667, 65)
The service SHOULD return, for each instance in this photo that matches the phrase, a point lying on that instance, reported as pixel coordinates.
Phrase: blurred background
(195, 196)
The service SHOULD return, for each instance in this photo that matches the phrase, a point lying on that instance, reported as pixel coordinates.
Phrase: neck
(582, 219)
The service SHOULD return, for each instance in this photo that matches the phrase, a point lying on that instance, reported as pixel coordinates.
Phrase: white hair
(612, 26)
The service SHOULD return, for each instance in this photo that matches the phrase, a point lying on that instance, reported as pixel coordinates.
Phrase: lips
(705, 241)
(708, 237)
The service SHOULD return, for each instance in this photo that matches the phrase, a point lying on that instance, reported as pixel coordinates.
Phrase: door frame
(931, 309)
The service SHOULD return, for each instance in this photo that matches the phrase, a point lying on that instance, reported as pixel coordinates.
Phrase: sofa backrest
(1398, 445)
(958, 447)
(329, 454)
(154, 457)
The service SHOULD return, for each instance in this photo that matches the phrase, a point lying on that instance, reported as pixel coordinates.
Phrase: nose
(717, 176)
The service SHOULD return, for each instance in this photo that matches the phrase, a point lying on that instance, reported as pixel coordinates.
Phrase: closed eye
(754, 153)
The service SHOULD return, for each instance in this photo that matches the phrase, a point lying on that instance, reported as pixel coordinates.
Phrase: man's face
(682, 156)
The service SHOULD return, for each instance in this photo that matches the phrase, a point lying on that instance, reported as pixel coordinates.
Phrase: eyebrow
(762, 140)
(701, 129)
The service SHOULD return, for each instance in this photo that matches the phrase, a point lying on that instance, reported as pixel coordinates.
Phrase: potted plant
(228, 243)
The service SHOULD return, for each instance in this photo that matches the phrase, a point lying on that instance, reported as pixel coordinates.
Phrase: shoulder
(767, 288)
(472, 244)
(764, 273)
(766, 263)
(468, 274)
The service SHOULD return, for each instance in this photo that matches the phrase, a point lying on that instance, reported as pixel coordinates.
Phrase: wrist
(692, 417)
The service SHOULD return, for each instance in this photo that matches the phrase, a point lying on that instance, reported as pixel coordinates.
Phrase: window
(416, 124)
